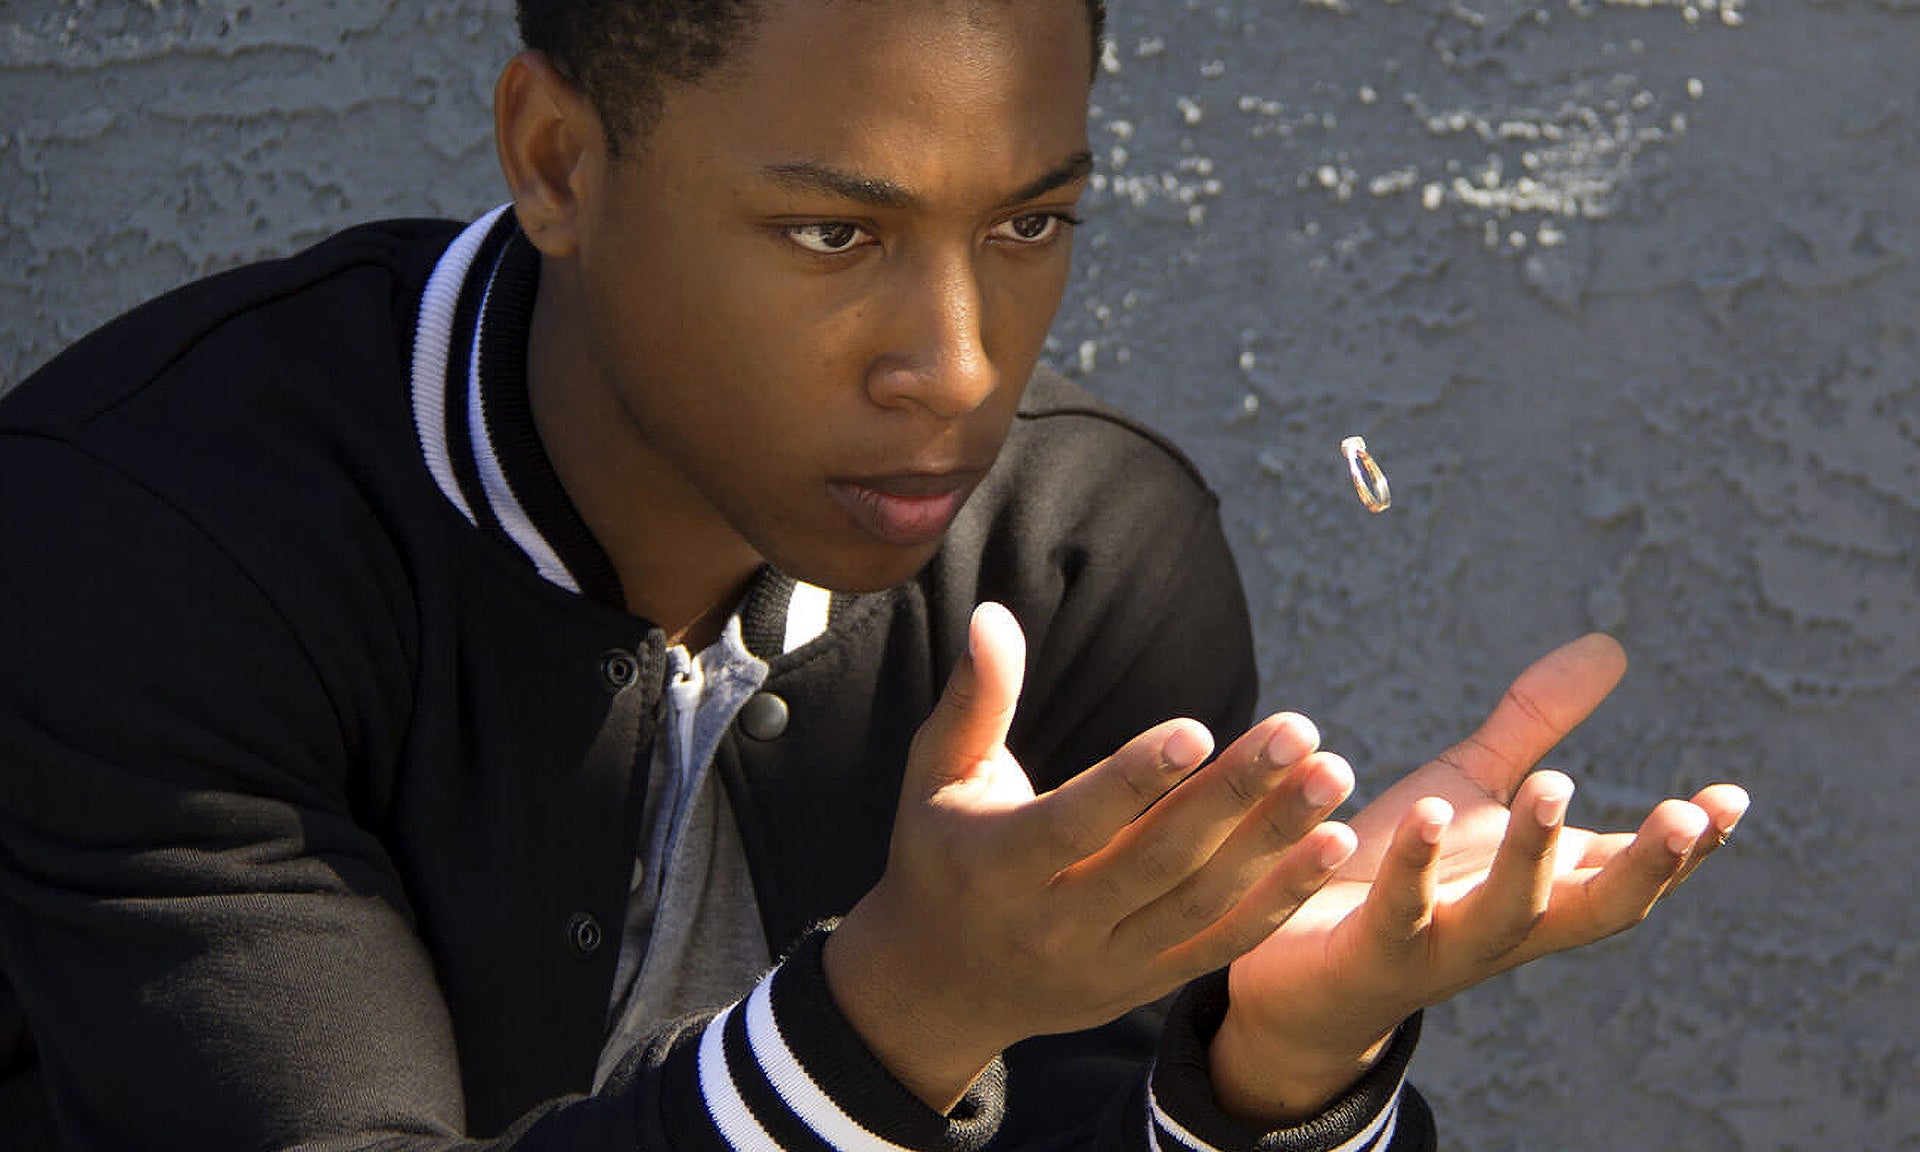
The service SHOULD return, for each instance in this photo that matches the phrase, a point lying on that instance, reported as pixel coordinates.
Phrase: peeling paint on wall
(1622, 292)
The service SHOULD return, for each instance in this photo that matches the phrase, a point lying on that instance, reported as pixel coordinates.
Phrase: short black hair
(622, 53)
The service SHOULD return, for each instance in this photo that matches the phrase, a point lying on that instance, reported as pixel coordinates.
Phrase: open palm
(1464, 870)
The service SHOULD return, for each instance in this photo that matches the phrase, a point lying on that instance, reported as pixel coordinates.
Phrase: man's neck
(679, 564)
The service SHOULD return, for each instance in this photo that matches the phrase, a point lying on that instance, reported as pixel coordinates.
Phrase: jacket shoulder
(125, 355)
(1056, 409)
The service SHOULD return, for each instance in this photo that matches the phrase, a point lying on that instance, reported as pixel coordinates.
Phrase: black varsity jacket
(318, 800)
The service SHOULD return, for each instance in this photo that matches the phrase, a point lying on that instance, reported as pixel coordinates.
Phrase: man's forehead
(946, 24)
(883, 100)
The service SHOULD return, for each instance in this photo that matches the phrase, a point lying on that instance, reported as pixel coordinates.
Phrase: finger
(1543, 704)
(1300, 872)
(1599, 848)
(1724, 805)
(1173, 841)
(1400, 906)
(1496, 917)
(968, 725)
(1310, 791)
(1589, 906)
(1082, 816)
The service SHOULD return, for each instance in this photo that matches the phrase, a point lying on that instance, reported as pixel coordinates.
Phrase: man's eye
(1034, 227)
(826, 239)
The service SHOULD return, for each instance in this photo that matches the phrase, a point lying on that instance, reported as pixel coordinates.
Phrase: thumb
(967, 730)
(1544, 704)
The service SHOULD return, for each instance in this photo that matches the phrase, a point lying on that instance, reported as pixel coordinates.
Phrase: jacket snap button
(619, 669)
(764, 717)
(583, 932)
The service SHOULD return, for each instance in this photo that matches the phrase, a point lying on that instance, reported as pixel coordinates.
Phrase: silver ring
(1368, 480)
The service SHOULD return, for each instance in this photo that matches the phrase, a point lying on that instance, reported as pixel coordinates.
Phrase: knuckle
(1067, 826)
(1509, 764)
(1614, 915)
(1397, 939)
(1507, 936)
(1245, 787)
(1245, 936)
(1143, 784)
(1047, 944)
(1302, 889)
(1277, 828)
(1528, 706)
(1028, 944)
(1200, 906)
(1159, 858)
(1096, 888)
(963, 692)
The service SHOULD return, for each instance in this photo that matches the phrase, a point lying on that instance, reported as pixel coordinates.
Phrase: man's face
(818, 285)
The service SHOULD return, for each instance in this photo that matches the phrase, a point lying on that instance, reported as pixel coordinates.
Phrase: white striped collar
(457, 435)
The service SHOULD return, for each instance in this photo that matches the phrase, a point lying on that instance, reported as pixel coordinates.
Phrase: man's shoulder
(1068, 440)
(1080, 489)
(350, 295)
(262, 414)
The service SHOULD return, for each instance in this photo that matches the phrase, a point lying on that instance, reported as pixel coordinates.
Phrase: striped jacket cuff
(1378, 1112)
(783, 1071)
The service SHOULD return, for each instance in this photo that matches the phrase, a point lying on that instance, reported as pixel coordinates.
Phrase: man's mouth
(906, 509)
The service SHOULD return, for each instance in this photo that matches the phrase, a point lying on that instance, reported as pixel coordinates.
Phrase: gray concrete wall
(1622, 293)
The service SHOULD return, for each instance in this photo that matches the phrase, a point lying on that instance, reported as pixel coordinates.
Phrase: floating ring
(1368, 480)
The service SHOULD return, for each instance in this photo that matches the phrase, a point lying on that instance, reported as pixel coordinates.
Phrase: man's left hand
(1464, 871)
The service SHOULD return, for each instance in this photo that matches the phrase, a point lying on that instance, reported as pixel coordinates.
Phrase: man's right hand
(1004, 915)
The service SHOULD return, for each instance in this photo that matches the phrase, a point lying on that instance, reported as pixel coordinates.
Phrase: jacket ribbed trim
(461, 351)
(512, 438)
(782, 1069)
(1181, 1115)
(476, 430)
(436, 335)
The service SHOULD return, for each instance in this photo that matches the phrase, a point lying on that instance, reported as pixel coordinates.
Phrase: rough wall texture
(1621, 292)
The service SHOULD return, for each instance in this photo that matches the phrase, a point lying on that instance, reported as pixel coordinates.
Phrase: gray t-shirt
(693, 938)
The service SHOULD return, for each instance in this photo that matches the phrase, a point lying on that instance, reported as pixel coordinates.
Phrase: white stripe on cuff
(729, 1111)
(1374, 1135)
(1393, 1121)
(808, 1100)
(1158, 1118)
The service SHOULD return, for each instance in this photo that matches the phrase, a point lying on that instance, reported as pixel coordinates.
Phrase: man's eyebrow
(806, 175)
(879, 193)
(1076, 167)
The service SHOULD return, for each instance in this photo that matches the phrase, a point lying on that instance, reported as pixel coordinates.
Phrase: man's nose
(936, 357)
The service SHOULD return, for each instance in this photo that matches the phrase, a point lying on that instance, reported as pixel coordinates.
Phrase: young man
(450, 665)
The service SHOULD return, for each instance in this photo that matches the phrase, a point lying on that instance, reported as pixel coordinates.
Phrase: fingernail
(1735, 822)
(1680, 843)
(1551, 810)
(1293, 738)
(1330, 781)
(1432, 830)
(1184, 749)
(1332, 855)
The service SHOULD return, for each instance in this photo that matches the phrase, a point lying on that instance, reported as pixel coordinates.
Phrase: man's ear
(552, 150)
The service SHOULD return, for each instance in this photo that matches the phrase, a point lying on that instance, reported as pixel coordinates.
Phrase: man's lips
(907, 508)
